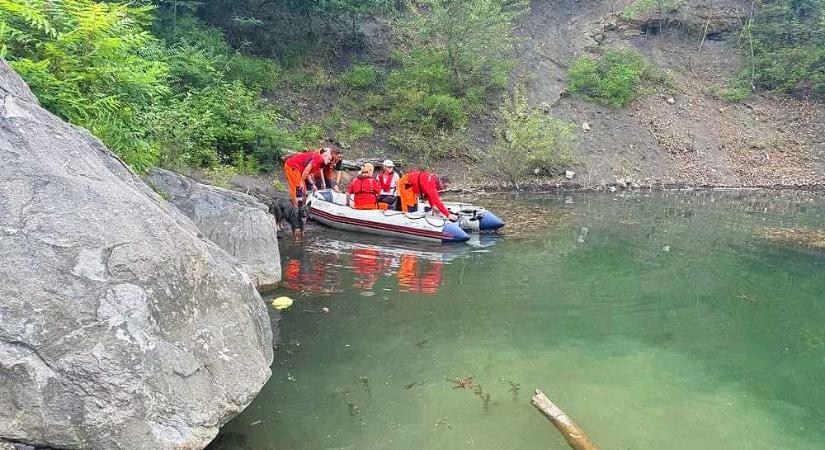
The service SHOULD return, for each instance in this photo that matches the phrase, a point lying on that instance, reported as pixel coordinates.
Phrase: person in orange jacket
(362, 192)
(299, 167)
(419, 183)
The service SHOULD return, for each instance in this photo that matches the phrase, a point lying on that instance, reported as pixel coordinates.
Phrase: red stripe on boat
(381, 226)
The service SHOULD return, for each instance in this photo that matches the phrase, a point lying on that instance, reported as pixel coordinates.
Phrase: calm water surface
(656, 321)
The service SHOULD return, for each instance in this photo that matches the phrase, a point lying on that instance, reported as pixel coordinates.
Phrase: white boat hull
(329, 209)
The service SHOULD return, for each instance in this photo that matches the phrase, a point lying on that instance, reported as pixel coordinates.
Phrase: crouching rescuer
(298, 169)
(419, 183)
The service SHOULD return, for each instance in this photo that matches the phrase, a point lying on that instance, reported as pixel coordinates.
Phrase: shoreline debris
(282, 303)
(797, 237)
(513, 387)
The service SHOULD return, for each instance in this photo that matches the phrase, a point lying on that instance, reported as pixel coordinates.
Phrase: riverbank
(265, 186)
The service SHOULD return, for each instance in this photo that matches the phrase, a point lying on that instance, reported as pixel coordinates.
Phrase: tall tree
(474, 35)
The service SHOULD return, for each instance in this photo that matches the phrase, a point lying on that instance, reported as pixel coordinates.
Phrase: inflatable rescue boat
(330, 209)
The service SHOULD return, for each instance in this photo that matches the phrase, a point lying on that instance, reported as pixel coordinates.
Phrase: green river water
(657, 321)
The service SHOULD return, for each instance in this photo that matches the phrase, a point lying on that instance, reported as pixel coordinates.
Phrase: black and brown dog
(283, 209)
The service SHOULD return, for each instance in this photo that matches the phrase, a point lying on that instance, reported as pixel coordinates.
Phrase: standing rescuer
(299, 167)
(419, 183)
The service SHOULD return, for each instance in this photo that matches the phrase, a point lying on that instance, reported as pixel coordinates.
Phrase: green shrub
(192, 66)
(472, 38)
(360, 77)
(178, 27)
(615, 79)
(424, 148)
(420, 94)
(257, 73)
(374, 102)
(785, 47)
(87, 63)
(246, 165)
(309, 135)
(734, 91)
(171, 101)
(529, 139)
(332, 121)
(358, 129)
(443, 111)
(213, 125)
(459, 53)
(423, 69)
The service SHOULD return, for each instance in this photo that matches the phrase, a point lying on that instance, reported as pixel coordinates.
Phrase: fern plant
(86, 62)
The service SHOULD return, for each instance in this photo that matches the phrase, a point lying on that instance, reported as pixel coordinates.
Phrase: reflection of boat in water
(330, 262)
(341, 243)
(329, 208)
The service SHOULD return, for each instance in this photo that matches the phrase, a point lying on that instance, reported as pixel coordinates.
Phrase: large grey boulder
(121, 326)
(235, 221)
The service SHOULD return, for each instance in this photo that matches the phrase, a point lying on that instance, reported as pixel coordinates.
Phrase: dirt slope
(697, 139)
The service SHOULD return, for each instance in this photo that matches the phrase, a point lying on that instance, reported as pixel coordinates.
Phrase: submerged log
(795, 237)
(571, 432)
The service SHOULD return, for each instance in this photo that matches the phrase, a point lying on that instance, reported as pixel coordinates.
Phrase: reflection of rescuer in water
(409, 279)
(310, 277)
(368, 266)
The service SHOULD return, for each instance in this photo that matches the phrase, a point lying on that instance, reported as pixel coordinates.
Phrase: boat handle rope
(388, 213)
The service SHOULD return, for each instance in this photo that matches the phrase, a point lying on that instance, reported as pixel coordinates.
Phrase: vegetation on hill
(530, 138)
(181, 83)
(615, 78)
(786, 47)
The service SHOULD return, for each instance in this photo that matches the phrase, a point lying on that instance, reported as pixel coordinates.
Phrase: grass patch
(357, 130)
(360, 77)
(426, 147)
(615, 79)
(220, 175)
(641, 7)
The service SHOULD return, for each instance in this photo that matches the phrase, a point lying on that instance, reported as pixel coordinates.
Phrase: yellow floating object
(282, 303)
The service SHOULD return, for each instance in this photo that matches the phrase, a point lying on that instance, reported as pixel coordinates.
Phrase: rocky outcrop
(236, 222)
(120, 325)
(712, 19)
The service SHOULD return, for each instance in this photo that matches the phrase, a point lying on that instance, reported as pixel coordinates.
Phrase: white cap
(388, 163)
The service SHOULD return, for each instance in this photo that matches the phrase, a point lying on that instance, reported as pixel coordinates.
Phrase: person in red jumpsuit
(419, 183)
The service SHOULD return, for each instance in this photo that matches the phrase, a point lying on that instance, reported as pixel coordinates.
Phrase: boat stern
(454, 233)
(489, 222)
